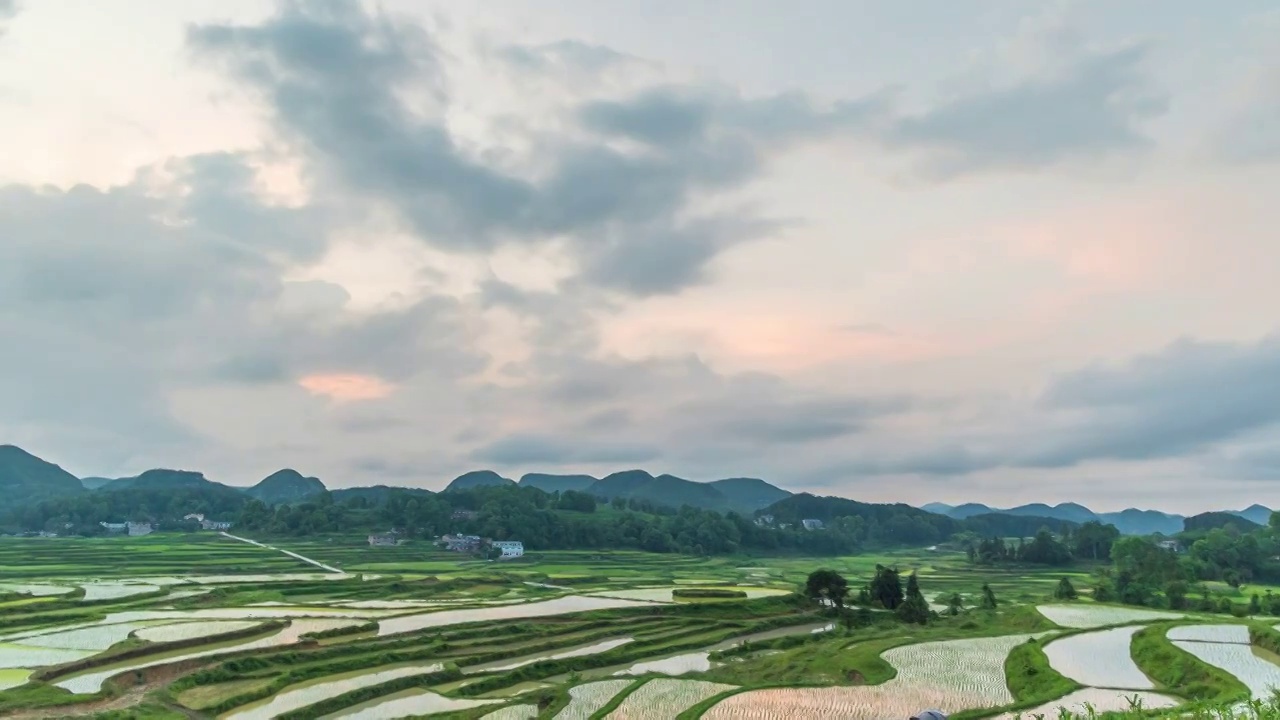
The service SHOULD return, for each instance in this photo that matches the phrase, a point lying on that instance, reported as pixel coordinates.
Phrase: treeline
(83, 513)
(1090, 541)
(1144, 572)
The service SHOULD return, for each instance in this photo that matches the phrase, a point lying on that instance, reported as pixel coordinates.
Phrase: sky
(997, 252)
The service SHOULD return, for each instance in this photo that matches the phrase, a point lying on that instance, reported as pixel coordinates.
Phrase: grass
(207, 696)
(1178, 672)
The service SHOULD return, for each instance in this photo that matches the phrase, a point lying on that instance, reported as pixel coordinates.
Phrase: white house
(114, 527)
(1170, 545)
(509, 548)
(383, 540)
(812, 524)
(198, 517)
(139, 529)
(214, 525)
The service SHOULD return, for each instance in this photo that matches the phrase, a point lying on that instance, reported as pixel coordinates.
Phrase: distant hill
(1214, 520)
(26, 478)
(478, 478)
(1255, 513)
(93, 483)
(968, 510)
(1128, 522)
(743, 495)
(285, 486)
(160, 479)
(1063, 511)
(375, 494)
(557, 483)
(749, 494)
(1143, 522)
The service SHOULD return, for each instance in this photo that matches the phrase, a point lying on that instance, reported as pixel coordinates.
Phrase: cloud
(1091, 108)
(345, 387)
(335, 79)
(1175, 402)
(564, 55)
(8, 9)
(1252, 132)
(1182, 401)
(113, 301)
(537, 450)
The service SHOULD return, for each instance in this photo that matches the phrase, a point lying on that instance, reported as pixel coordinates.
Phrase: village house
(384, 540)
(1170, 545)
(139, 529)
(115, 527)
(812, 524)
(464, 514)
(509, 548)
(214, 525)
(198, 517)
(461, 543)
(764, 520)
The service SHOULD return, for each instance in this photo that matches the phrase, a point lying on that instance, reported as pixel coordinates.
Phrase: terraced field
(251, 632)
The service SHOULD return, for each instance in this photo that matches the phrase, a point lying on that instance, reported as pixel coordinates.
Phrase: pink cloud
(346, 387)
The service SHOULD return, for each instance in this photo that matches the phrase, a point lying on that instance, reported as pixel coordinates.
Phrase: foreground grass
(1179, 672)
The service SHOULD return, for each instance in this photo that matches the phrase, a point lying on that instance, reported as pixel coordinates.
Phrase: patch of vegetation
(1180, 672)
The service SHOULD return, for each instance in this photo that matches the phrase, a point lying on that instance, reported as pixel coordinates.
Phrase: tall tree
(886, 588)
(827, 585)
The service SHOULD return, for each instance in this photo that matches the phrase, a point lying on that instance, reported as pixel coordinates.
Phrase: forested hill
(26, 478)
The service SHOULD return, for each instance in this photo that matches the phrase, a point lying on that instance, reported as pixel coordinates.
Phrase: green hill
(285, 486)
(557, 483)
(161, 479)
(749, 494)
(26, 478)
(375, 494)
(478, 478)
(93, 483)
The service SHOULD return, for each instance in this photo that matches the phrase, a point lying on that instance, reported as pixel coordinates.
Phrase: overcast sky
(1001, 252)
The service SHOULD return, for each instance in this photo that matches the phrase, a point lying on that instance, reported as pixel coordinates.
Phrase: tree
(1065, 590)
(1093, 540)
(1255, 604)
(827, 585)
(886, 588)
(1176, 593)
(914, 608)
(955, 604)
(989, 601)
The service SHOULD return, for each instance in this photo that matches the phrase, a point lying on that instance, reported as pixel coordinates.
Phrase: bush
(722, 593)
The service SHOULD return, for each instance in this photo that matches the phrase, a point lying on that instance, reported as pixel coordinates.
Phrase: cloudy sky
(999, 252)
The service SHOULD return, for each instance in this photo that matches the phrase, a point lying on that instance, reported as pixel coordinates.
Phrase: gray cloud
(115, 299)
(1252, 133)
(533, 450)
(1093, 108)
(564, 55)
(1179, 402)
(8, 8)
(333, 78)
(1172, 403)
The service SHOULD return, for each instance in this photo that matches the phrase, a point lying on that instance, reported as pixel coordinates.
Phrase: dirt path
(134, 688)
(317, 563)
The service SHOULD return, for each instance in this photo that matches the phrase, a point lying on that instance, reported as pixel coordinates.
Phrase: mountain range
(1131, 521)
(25, 478)
(744, 495)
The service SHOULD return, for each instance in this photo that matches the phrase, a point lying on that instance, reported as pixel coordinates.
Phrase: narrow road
(317, 563)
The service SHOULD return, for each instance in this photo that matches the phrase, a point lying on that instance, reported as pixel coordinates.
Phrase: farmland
(202, 625)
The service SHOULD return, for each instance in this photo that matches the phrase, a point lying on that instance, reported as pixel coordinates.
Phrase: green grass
(1179, 672)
